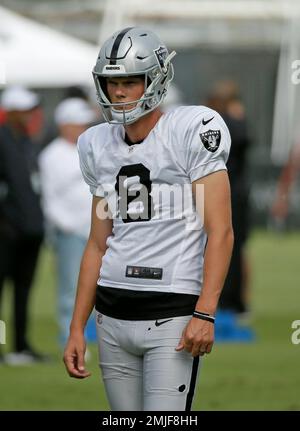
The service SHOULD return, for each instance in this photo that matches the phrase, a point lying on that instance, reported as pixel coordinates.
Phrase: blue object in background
(227, 328)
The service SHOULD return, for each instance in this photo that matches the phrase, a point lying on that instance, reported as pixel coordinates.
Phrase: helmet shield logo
(161, 54)
(211, 140)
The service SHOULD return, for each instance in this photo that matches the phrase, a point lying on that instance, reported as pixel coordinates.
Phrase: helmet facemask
(110, 110)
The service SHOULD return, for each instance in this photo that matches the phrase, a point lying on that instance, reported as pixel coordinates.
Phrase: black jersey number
(133, 186)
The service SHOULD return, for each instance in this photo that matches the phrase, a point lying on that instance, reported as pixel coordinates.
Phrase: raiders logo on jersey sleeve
(211, 140)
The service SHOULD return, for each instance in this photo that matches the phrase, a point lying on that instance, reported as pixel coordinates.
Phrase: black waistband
(136, 305)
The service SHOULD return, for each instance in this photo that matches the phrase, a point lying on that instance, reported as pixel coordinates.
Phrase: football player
(156, 258)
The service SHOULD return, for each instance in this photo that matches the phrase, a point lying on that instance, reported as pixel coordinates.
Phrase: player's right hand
(74, 357)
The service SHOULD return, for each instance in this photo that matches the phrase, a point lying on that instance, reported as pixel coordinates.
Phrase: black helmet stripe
(114, 50)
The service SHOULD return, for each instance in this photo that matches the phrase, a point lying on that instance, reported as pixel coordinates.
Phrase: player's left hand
(197, 337)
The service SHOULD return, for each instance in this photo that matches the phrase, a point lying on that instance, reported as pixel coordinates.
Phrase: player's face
(125, 89)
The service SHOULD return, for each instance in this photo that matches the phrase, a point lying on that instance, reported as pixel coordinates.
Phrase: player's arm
(91, 262)
(218, 227)
(198, 336)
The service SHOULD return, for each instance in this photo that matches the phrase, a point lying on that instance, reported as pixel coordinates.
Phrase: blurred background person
(66, 202)
(50, 127)
(287, 178)
(75, 91)
(2, 116)
(21, 218)
(225, 99)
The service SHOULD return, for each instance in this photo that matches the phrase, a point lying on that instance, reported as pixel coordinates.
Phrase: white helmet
(133, 51)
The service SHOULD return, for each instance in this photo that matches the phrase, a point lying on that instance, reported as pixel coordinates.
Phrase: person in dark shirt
(21, 219)
(225, 99)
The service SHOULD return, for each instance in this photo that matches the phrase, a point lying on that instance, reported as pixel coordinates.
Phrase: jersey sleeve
(86, 164)
(208, 141)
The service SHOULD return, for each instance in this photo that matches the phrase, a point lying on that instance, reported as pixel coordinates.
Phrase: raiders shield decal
(161, 54)
(211, 140)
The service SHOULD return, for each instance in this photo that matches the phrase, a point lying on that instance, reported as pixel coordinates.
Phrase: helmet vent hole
(144, 34)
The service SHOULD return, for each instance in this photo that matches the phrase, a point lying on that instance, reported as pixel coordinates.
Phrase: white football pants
(141, 369)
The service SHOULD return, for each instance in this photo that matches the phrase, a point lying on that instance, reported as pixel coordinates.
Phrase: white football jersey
(158, 240)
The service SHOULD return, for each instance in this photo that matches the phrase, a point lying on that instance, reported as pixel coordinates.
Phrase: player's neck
(139, 130)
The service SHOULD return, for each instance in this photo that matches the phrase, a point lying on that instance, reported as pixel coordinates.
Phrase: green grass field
(263, 375)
